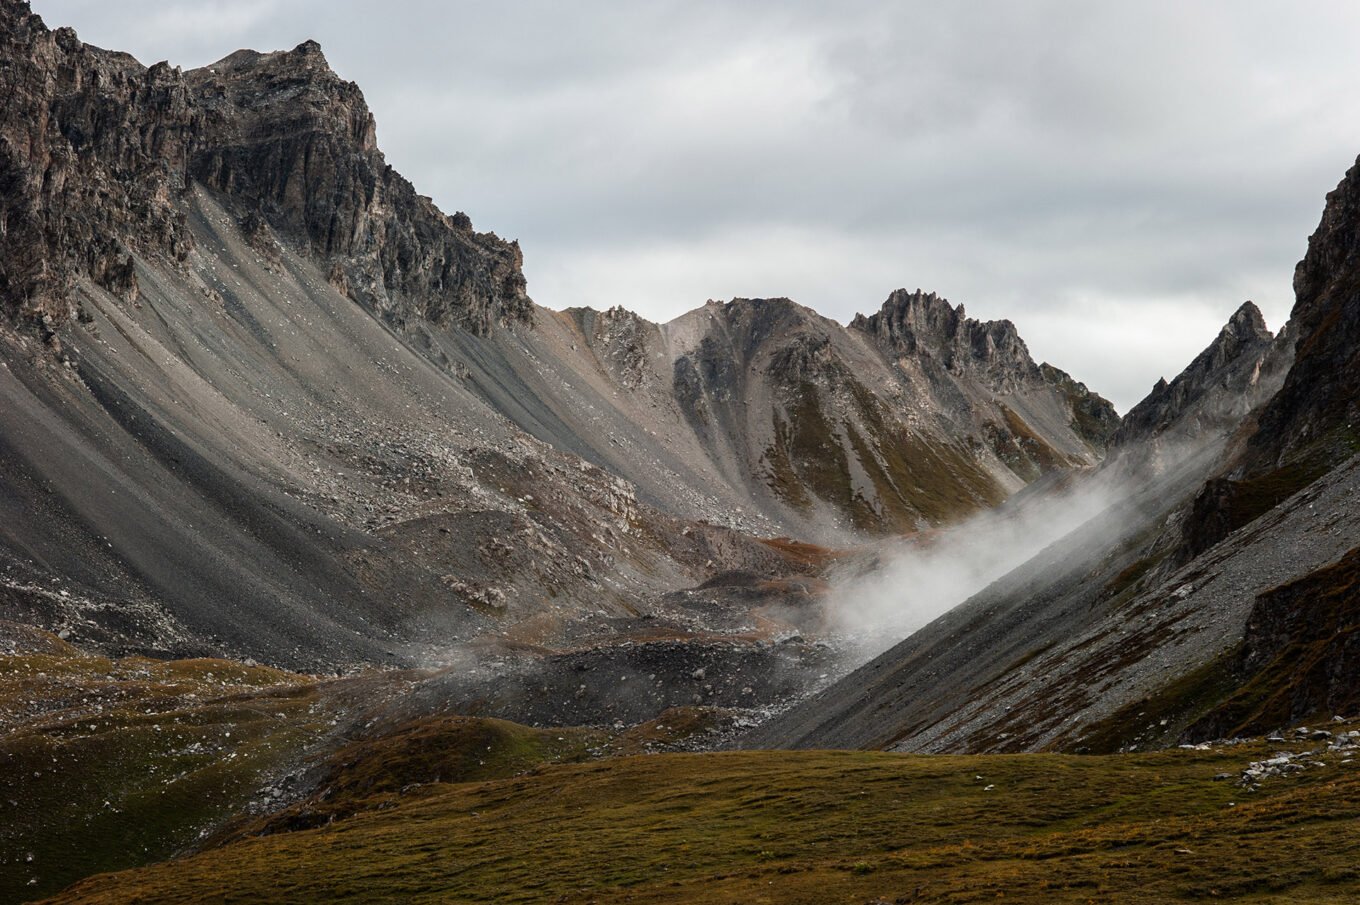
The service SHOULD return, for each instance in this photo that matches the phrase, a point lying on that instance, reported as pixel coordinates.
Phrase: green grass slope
(814, 827)
(107, 764)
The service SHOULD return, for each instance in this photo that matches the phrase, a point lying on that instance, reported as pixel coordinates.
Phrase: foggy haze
(923, 578)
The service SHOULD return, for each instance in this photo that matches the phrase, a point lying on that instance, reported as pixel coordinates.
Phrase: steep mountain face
(92, 156)
(1309, 425)
(1320, 400)
(1207, 412)
(821, 431)
(1062, 651)
(1216, 596)
(283, 133)
(260, 398)
(98, 151)
(1239, 370)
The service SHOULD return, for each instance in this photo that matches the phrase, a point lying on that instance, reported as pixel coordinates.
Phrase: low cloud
(923, 577)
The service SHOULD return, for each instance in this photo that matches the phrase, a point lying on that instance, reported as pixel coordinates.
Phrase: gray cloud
(1115, 179)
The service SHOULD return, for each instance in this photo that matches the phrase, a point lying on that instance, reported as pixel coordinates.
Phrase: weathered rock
(97, 151)
(1218, 389)
(284, 133)
(1317, 407)
(1300, 655)
(924, 325)
(93, 152)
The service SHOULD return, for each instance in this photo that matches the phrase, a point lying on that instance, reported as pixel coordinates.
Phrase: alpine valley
(335, 568)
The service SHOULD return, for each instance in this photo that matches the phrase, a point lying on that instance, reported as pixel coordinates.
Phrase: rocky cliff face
(93, 153)
(286, 135)
(910, 418)
(922, 332)
(1216, 390)
(97, 152)
(1316, 409)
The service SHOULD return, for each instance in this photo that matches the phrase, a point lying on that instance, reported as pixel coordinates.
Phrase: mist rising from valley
(921, 577)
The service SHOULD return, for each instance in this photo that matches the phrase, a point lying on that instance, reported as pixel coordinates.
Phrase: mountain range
(262, 398)
(288, 452)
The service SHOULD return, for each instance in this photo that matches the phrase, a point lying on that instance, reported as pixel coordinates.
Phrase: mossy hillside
(914, 482)
(812, 827)
(781, 476)
(107, 764)
(425, 755)
(374, 773)
(937, 480)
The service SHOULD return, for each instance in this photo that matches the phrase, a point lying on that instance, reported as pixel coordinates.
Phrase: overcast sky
(1116, 180)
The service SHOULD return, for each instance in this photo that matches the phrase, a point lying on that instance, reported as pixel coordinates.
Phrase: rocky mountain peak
(924, 325)
(1216, 389)
(93, 148)
(912, 320)
(1244, 331)
(745, 310)
(97, 153)
(1247, 323)
(297, 86)
(284, 132)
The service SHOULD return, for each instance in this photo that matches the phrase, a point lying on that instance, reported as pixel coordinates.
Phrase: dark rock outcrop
(97, 152)
(1094, 418)
(93, 151)
(285, 134)
(1300, 656)
(1314, 414)
(924, 325)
